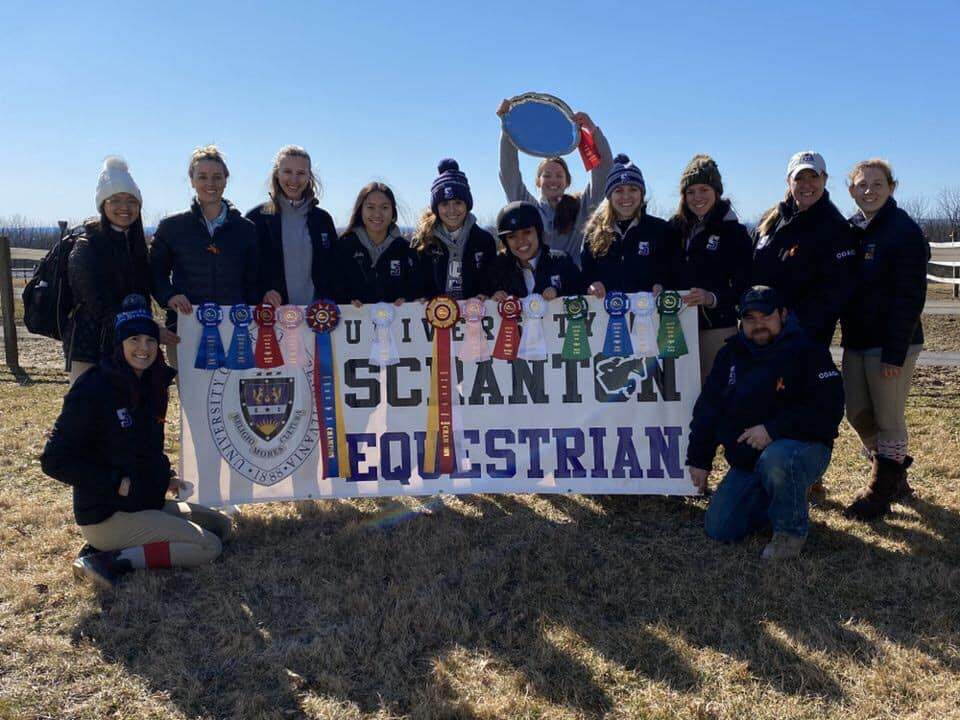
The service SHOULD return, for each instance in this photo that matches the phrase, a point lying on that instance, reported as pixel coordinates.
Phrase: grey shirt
(297, 251)
(515, 189)
(376, 250)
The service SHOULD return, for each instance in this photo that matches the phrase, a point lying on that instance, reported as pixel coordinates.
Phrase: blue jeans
(775, 492)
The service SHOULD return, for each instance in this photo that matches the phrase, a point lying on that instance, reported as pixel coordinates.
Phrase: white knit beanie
(115, 178)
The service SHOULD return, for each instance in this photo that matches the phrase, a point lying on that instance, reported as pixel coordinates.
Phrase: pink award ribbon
(475, 347)
(290, 318)
(644, 333)
(533, 344)
(383, 350)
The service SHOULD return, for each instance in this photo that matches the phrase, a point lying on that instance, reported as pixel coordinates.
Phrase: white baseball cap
(806, 160)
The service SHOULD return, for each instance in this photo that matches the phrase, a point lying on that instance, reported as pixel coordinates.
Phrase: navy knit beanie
(134, 318)
(624, 172)
(451, 184)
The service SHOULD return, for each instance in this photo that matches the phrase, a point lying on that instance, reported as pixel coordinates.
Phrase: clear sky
(378, 90)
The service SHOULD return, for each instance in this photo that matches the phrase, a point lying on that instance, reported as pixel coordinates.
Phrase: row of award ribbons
(443, 313)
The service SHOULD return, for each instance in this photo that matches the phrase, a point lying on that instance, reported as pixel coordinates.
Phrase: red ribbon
(443, 313)
(588, 150)
(508, 339)
(267, 352)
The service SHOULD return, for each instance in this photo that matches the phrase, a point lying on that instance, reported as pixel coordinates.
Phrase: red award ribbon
(508, 338)
(267, 352)
(588, 150)
(442, 313)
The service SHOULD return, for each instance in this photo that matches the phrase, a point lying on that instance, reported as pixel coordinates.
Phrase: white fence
(945, 259)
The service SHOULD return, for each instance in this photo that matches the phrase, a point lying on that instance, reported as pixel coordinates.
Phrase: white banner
(555, 425)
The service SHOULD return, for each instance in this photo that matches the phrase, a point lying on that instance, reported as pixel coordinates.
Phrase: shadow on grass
(375, 607)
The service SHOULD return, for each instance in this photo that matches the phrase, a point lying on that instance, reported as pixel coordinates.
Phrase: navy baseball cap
(761, 298)
(517, 216)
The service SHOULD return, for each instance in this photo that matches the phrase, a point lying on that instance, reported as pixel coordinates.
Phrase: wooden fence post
(6, 301)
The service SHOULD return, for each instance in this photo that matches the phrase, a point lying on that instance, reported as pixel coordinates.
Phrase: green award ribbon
(670, 338)
(576, 344)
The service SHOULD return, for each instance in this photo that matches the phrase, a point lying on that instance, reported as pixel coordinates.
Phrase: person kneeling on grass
(774, 400)
(108, 444)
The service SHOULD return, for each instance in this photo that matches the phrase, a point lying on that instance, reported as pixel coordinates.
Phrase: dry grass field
(491, 606)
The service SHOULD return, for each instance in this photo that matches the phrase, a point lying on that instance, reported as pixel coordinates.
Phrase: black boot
(102, 568)
(874, 500)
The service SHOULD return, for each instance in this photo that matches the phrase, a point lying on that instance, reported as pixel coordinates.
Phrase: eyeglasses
(122, 202)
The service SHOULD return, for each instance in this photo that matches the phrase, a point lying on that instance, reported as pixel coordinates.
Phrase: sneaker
(98, 568)
(783, 546)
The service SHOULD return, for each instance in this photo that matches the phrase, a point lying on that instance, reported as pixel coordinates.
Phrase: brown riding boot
(817, 494)
(874, 500)
(903, 490)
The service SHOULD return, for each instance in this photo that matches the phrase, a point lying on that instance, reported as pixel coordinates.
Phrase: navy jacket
(396, 274)
(479, 253)
(554, 269)
(810, 259)
(790, 386)
(103, 268)
(635, 261)
(101, 437)
(716, 258)
(891, 286)
(220, 269)
(271, 276)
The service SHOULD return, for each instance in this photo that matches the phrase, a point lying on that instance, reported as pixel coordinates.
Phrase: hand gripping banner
(383, 349)
(442, 313)
(210, 355)
(475, 347)
(533, 344)
(617, 342)
(267, 352)
(508, 339)
(670, 336)
(240, 354)
(322, 317)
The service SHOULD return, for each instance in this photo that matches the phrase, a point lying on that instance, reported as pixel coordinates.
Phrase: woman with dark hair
(295, 234)
(108, 444)
(564, 215)
(882, 333)
(525, 265)
(373, 261)
(803, 248)
(715, 253)
(108, 262)
(207, 253)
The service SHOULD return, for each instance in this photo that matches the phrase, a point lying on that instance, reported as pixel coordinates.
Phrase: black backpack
(47, 300)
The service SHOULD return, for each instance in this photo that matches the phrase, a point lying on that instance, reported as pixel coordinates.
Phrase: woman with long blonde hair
(295, 235)
(625, 249)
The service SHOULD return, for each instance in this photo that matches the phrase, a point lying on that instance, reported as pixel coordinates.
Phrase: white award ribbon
(644, 331)
(533, 344)
(383, 350)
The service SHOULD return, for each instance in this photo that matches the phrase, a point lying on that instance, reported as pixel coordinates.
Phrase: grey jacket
(515, 189)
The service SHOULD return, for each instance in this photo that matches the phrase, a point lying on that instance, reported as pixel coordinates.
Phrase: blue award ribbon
(240, 354)
(617, 342)
(328, 404)
(210, 355)
(322, 317)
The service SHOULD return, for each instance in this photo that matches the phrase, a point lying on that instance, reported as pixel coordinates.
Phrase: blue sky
(379, 90)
